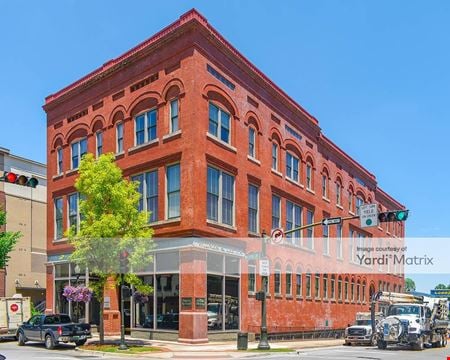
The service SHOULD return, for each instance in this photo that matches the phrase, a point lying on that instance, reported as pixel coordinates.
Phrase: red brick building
(220, 152)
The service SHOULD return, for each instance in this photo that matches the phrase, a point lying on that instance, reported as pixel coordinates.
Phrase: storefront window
(223, 292)
(167, 301)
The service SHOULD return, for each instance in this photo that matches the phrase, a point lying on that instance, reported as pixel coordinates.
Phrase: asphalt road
(364, 353)
(67, 352)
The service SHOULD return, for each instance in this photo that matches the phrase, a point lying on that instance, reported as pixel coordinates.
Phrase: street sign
(277, 236)
(331, 221)
(253, 255)
(368, 215)
(264, 267)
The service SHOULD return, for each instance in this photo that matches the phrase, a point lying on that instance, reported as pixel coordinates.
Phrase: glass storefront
(65, 274)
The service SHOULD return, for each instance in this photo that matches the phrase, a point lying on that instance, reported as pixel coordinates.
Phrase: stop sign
(14, 307)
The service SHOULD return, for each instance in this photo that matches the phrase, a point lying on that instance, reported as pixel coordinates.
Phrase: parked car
(52, 330)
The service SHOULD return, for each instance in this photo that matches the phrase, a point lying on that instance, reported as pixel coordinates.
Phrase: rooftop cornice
(116, 64)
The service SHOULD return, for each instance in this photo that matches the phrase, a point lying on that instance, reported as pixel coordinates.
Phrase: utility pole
(263, 339)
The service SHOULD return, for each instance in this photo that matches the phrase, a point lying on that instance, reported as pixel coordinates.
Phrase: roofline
(390, 198)
(341, 152)
(7, 152)
(192, 14)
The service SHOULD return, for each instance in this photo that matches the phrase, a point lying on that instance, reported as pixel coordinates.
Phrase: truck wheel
(21, 339)
(49, 342)
(382, 345)
(80, 342)
(419, 344)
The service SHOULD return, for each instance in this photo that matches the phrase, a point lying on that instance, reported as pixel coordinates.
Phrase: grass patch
(132, 349)
(273, 350)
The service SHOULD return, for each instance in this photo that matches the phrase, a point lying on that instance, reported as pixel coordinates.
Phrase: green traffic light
(401, 215)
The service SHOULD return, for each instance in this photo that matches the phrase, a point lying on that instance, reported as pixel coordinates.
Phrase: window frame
(219, 122)
(98, 135)
(168, 217)
(251, 210)
(290, 160)
(59, 160)
(288, 281)
(290, 218)
(298, 284)
(220, 197)
(56, 218)
(274, 215)
(309, 176)
(173, 117)
(145, 195)
(277, 283)
(252, 141)
(77, 215)
(147, 128)
(79, 155)
(253, 273)
(275, 156)
(119, 140)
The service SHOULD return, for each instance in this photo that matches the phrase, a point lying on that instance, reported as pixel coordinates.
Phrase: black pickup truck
(52, 330)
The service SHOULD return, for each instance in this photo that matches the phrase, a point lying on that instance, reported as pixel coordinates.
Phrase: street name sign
(264, 267)
(368, 215)
(331, 221)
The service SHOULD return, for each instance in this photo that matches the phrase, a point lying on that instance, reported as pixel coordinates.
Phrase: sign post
(368, 215)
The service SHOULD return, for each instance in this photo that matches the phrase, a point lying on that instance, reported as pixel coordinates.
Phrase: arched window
(333, 287)
(350, 199)
(309, 174)
(338, 192)
(346, 290)
(252, 141)
(277, 279)
(352, 291)
(78, 150)
(98, 143)
(298, 283)
(308, 280)
(325, 187)
(219, 123)
(317, 286)
(325, 286)
(59, 160)
(358, 291)
(359, 202)
(289, 280)
(275, 155)
(339, 290)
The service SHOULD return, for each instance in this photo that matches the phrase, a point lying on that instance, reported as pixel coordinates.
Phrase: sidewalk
(218, 350)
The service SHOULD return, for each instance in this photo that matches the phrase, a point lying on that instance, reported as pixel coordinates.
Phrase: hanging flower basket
(77, 293)
(140, 298)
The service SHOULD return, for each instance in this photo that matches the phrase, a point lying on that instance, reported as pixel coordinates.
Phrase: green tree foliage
(442, 286)
(410, 285)
(8, 240)
(110, 224)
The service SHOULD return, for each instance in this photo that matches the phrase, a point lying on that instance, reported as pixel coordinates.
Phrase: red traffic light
(10, 177)
(23, 180)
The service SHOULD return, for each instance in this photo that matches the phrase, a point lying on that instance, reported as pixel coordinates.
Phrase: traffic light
(390, 216)
(13, 178)
(123, 262)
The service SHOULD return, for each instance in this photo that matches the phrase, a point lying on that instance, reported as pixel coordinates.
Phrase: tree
(110, 224)
(8, 240)
(410, 285)
(442, 286)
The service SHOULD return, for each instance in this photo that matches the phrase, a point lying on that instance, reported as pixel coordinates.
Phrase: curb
(159, 354)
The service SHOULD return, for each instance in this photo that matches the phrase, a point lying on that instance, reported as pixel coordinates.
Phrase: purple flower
(77, 294)
(140, 298)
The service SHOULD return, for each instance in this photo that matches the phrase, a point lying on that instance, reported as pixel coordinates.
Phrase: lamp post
(77, 274)
(263, 339)
(123, 260)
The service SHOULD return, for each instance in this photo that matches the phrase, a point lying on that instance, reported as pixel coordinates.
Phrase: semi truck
(418, 321)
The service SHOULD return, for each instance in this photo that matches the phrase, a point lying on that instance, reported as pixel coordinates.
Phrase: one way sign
(331, 221)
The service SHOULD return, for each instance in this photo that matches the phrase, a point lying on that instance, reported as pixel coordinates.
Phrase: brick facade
(190, 61)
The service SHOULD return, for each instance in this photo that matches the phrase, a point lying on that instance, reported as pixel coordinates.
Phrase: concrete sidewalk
(219, 350)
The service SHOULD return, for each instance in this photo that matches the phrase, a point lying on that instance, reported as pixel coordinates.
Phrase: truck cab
(361, 331)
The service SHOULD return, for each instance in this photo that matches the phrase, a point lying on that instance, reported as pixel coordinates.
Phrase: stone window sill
(254, 160)
(296, 183)
(221, 226)
(164, 222)
(339, 206)
(221, 143)
(326, 199)
(277, 173)
(71, 172)
(172, 136)
(60, 241)
(143, 146)
(311, 191)
(119, 155)
(58, 176)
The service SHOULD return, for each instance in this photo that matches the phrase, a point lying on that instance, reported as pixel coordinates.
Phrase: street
(68, 352)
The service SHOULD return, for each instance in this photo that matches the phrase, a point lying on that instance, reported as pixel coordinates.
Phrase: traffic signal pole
(317, 224)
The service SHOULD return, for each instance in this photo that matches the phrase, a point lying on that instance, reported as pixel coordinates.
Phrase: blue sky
(374, 73)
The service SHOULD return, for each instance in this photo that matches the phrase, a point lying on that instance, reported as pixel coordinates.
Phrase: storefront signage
(200, 303)
(186, 302)
(213, 246)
